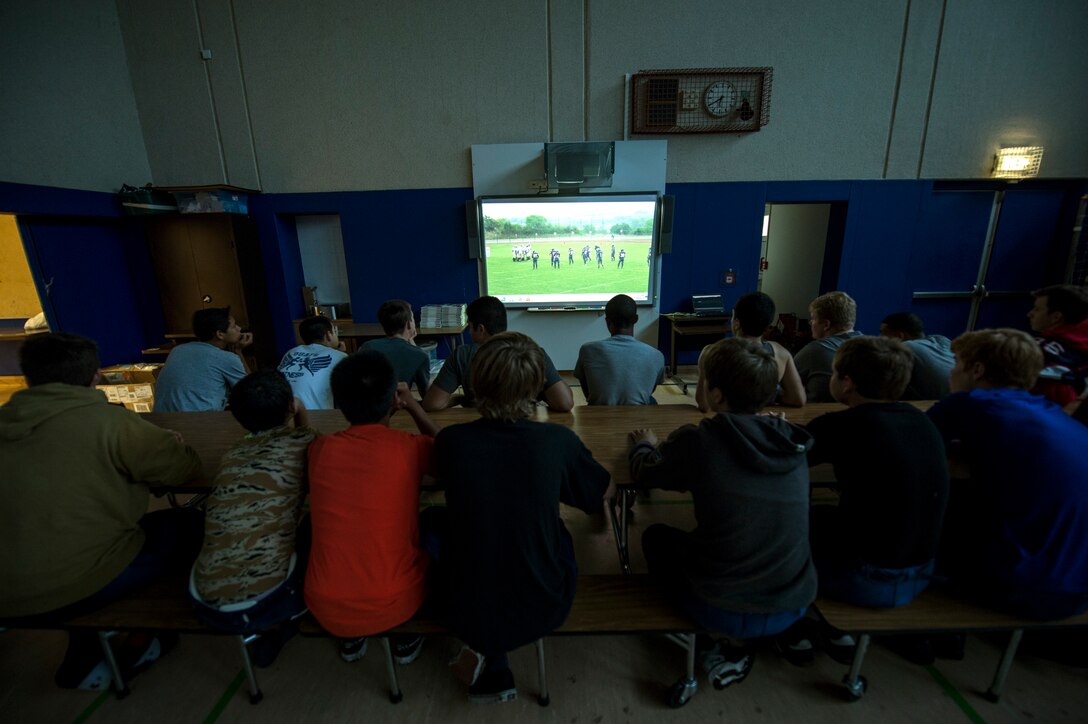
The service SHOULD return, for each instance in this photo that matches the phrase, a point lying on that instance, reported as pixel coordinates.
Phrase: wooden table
(603, 429)
(692, 325)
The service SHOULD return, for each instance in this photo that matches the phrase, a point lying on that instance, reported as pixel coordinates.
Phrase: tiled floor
(593, 679)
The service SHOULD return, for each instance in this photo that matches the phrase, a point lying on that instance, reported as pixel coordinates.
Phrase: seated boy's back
(889, 459)
(253, 512)
(367, 570)
(619, 370)
(411, 365)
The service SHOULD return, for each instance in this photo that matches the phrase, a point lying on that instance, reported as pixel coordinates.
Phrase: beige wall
(18, 297)
(69, 115)
(346, 95)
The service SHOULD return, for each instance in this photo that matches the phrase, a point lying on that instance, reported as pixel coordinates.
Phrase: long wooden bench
(603, 604)
(934, 611)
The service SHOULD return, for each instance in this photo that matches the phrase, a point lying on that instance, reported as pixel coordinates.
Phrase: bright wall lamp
(1019, 162)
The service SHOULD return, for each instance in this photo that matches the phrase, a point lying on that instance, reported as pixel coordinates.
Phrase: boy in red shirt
(367, 571)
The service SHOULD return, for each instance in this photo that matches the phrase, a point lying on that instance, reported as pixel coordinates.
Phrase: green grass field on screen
(506, 277)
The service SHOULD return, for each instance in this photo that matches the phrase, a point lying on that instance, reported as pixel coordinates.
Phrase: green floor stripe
(225, 699)
(94, 705)
(957, 697)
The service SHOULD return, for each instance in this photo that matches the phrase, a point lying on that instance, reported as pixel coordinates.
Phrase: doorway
(795, 267)
(19, 302)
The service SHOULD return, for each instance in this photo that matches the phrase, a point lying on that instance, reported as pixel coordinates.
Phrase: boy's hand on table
(402, 398)
(642, 435)
(772, 413)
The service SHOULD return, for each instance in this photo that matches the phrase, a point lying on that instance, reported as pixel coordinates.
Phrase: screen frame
(548, 198)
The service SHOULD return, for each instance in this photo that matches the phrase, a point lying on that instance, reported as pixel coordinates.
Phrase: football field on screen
(511, 278)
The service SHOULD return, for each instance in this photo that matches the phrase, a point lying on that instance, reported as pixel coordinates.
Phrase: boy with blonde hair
(745, 570)
(507, 559)
(832, 318)
(1016, 534)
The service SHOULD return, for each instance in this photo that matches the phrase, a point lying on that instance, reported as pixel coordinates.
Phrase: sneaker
(352, 649)
(727, 665)
(840, 648)
(406, 650)
(492, 687)
(795, 643)
(467, 665)
(97, 679)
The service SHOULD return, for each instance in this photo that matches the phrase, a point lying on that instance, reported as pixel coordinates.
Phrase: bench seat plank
(934, 610)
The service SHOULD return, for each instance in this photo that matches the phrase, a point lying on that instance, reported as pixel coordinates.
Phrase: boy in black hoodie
(745, 570)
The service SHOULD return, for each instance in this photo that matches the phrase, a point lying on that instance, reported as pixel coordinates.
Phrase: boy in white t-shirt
(308, 367)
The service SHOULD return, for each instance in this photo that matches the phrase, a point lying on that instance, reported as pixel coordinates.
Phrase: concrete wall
(341, 95)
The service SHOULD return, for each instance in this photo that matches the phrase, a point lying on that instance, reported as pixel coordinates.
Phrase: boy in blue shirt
(1016, 534)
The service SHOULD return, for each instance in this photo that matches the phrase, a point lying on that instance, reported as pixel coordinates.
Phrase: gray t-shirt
(455, 373)
(933, 361)
(410, 363)
(619, 370)
(197, 377)
(814, 364)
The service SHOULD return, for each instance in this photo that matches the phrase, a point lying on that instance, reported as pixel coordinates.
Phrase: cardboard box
(143, 372)
(137, 397)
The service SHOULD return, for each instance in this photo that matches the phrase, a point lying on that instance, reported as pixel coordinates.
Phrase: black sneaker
(725, 665)
(493, 686)
(795, 643)
(406, 650)
(352, 649)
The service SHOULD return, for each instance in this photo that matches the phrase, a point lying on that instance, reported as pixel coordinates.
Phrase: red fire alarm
(729, 278)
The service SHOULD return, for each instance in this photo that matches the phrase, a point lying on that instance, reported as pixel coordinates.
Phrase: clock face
(719, 98)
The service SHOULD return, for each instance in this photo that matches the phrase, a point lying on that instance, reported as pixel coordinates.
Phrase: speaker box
(664, 236)
(472, 226)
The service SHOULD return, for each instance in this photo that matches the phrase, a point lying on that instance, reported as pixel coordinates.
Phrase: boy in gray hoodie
(746, 570)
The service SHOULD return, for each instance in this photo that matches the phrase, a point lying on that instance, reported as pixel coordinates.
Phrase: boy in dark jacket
(745, 570)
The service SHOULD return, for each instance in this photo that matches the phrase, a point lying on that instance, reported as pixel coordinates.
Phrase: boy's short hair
(837, 308)
(363, 386)
(744, 372)
(489, 312)
(1012, 358)
(621, 311)
(754, 312)
(261, 400)
(70, 359)
(206, 322)
(1070, 300)
(507, 375)
(314, 329)
(393, 315)
(908, 323)
(879, 367)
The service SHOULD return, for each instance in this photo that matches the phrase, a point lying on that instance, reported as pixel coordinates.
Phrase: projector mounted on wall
(573, 166)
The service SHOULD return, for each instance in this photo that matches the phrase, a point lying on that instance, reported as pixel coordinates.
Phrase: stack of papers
(442, 315)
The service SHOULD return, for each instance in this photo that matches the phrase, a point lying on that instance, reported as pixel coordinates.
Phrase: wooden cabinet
(211, 260)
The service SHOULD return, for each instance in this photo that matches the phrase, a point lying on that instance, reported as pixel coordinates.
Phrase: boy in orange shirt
(367, 571)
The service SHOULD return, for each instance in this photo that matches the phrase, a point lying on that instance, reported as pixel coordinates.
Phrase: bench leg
(120, 688)
(255, 693)
(620, 525)
(395, 694)
(854, 682)
(542, 674)
(681, 692)
(994, 692)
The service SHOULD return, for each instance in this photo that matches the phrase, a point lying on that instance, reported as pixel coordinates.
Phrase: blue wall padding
(897, 237)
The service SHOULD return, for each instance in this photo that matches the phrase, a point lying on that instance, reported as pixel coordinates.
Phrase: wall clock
(700, 100)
